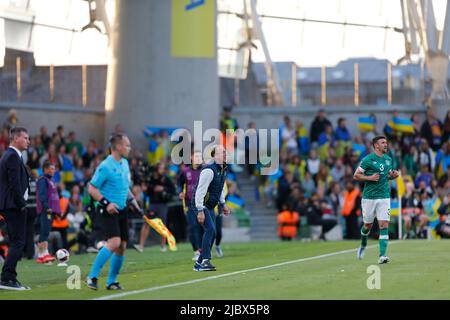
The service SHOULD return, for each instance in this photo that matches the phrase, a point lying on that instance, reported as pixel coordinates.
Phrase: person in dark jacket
(314, 215)
(14, 189)
(318, 126)
(432, 130)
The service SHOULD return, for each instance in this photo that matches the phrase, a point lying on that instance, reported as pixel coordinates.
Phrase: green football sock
(364, 236)
(383, 241)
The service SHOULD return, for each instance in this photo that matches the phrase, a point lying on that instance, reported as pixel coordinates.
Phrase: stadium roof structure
(370, 70)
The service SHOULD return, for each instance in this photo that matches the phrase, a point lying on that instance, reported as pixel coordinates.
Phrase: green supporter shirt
(370, 165)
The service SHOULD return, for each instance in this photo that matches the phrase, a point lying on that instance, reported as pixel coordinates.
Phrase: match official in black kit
(14, 188)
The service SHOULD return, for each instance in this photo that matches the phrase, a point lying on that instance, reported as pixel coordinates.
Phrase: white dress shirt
(25, 196)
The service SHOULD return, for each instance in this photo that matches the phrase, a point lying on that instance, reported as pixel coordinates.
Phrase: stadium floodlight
(92, 17)
(426, 30)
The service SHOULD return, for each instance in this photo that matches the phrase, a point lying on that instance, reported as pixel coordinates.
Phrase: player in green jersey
(375, 171)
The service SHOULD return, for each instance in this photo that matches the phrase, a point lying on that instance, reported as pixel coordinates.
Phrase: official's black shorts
(114, 225)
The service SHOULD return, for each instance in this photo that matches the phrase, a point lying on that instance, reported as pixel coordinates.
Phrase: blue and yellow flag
(151, 154)
(394, 208)
(359, 148)
(403, 125)
(443, 162)
(193, 28)
(148, 131)
(303, 140)
(234, 202)
(389, 128)
(431, 207)
(366, 123)
(173, 170)
(275, 176)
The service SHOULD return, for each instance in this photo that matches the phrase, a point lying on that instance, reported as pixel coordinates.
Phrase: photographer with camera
(160, 189)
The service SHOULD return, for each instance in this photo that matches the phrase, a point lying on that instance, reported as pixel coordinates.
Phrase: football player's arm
(359, 175)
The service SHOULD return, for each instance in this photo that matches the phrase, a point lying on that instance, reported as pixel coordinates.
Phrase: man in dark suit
(14, 189)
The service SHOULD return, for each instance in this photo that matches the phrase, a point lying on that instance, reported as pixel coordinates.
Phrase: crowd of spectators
(315, 177)
(155, 183)
(316, 174)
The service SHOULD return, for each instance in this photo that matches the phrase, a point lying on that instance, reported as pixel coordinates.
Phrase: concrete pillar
(147, 86)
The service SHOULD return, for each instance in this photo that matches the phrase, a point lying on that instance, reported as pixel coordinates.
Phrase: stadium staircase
(263, 223)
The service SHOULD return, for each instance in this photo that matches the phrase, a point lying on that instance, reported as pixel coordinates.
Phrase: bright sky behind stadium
(316, 44)
(306, 43)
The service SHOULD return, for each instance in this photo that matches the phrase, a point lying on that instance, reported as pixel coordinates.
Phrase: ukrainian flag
(442, 163)
(389, 128)
(303, 140)
(234, 202)
(394, 208)
(403, 125)
(359, 148)
(366, 123)
(275, 176)
(431, 207)
(157, 130)
(151, 155)
(302, 132)
(173, 170)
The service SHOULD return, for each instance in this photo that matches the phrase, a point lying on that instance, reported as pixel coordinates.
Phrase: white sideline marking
(177, 284)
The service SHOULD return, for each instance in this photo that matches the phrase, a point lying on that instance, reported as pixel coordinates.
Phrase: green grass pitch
(418, 270)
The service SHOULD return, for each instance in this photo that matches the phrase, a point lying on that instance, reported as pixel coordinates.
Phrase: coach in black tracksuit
(14, 188)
